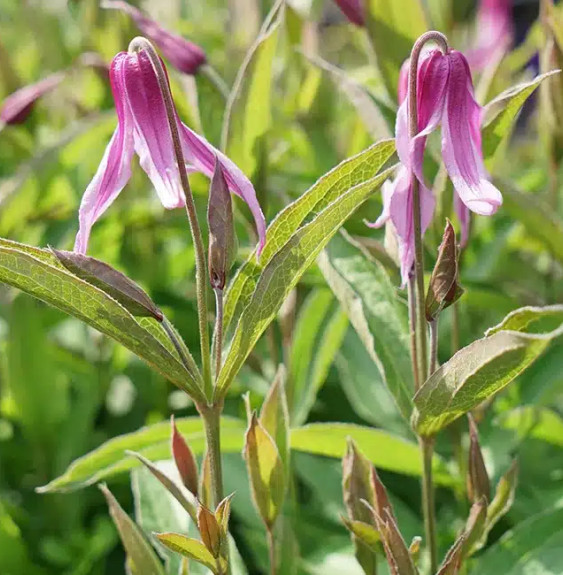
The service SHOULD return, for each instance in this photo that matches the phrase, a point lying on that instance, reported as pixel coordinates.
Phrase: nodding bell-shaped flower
(494, 33)
(185, 56)
(17, 107)
(143, 128)
(444, 96)
(353, 10)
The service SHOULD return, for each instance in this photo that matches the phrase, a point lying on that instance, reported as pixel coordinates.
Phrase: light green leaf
(153, 442)
(385, 450)
(248, 113)
(533, 547)
(371, 301)
(394, 26)
(484, 367)
(188, 547)
(141, 555)
(284, 271)
(330, 187)
(501, 112)
(38, 273)
(535, 422)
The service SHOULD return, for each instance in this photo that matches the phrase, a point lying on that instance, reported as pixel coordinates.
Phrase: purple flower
(17, 107)
(444, 96)
(143, 129)
(353, 10)
(182, 54)
(495, 32)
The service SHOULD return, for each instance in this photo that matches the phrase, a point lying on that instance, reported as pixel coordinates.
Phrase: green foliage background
(65, 389)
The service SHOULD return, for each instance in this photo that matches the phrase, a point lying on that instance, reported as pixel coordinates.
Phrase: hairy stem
(427, 450)
(271, 549)
(211, 420)
(412, 330)
(138, 44)
(433, 346)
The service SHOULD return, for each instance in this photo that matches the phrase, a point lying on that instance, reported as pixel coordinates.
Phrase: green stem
(433, 346)
(271, 549)
(138, 44)
(213, 76)
(211, 415)
(412, 329)
(428, 506)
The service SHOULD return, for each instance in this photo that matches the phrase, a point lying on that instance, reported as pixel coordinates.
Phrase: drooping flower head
(181, 53)
(494, 33)
(17, 106)
(143, 129)
(353, 10)
(444, 96)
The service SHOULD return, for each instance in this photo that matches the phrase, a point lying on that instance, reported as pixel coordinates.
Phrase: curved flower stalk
(444, 96)
(143, 129)
(17, 106)
(353, 10)
(495, 33)
(181, 53)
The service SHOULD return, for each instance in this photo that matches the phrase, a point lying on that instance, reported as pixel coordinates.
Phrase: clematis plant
(444, 95)
(143, 128)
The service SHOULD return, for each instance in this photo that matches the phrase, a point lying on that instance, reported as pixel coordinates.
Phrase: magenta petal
(17, 106)
(403, 84)
(182, 54)
(464, 217)
(115, 168)
(461, 142)
(353, 10)
(387, 190)
(152, 138)
(200, 156)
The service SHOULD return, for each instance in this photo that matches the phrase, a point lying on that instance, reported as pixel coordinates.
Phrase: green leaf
(283, 272)
(330, 187)
(539, 219)
(501, 112)
(39, 273)
(532, 547)
(142, 556)
(486, 366)
(153, 442)
(248, 113)
(385, 450)
(535, 422)
(370, 299)
(394, 26)
(188, 547)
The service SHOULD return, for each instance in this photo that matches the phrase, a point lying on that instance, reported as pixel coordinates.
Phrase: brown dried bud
(478, 484)
(209, 530)
(452, 562)
(443, 289)
(184, 459)
(221, 228)
(398, 557)
(356, 484)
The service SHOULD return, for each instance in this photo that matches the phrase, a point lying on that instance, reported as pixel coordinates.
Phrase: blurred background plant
(311, 98)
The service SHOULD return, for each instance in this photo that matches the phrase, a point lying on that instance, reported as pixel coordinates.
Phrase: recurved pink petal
(461, 142)
(200, 156)
(403, 84)
(152, 138)
(17, 106)
(182, 54)
(387, 190)
(464, 217)
(115, 168)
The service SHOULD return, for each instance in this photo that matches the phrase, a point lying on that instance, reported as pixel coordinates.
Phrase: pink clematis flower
(143, 129)
(495, 33)
(353, 10)
(182, 54)
(17, 107)
(444, 96)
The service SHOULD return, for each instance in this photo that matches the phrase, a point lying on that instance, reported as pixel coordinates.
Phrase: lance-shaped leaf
(223, 513)
(184, 459)
(172, 488)
(475, 527)
(39, 273)
(205, 487)
(382, 506)
(478, 484)
(274, 416)
(265, 470)
(365, 532)
(221, 228)
(191, 548)
(140, 554)
(478, 371)
(443, 289)
(452, 561)
(209, 530)
(111, 281)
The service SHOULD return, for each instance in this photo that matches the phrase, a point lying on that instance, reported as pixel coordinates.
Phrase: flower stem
(271, 549)
(138, 44)
(433, 346)
(427, 451)
(412, 329)
(211, 415)
(213, 76)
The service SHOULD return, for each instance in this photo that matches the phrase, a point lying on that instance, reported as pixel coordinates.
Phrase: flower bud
(478, 484)
(209, 530)
(221, 229)
(443, 289)
(184, 459)
(356, 484)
